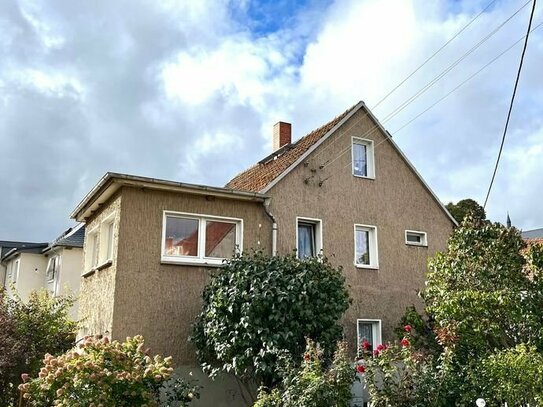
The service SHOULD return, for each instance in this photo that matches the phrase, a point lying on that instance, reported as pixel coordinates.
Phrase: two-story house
(53, 266)
(345, 190)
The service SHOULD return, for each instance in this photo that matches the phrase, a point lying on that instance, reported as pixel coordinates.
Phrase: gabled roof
(7, 245)
(533, 234)
(26, 248)
(73, 237)
(269, 171)
(260, 175)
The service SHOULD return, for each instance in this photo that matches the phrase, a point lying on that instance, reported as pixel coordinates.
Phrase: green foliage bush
(28, 330)
(513, 375)
(107, 374)
(256, 307)
(313, 384)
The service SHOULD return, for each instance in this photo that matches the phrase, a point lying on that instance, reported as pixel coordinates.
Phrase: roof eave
(111, 182)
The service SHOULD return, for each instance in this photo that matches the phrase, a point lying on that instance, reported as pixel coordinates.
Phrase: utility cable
(375, 129)
(431, 83)
(511, 104)
(421, 65)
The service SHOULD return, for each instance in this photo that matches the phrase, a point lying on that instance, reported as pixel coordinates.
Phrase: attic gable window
(199, 239)
(362, 158)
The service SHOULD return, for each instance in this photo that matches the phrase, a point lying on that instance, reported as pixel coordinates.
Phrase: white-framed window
(308, 237)
(200, 239)
(91, 255)
(13, 271)
(416, 238)
(363, 158)
(53, 266)
(365, 246)
(107, 233)
(368, 330)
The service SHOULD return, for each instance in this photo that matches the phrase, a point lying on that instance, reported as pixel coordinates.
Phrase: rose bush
(313, 383)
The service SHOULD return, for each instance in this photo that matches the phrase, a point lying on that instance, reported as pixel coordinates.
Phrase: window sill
(366, 267)
(194, 263)
(99, 267)
(416, 245)
(364, 177)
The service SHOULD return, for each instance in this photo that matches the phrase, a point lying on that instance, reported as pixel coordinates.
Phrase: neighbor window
(52, 268)
(362, 156)
(368, 330)
(309, 237)
(189, 238)
(365, 237)
(13, 271)
(415, 238)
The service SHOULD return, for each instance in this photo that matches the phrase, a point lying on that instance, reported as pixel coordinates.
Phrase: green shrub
(313, 384)
(29, 330)
(256, 307)
(514, 376)
(106, 374)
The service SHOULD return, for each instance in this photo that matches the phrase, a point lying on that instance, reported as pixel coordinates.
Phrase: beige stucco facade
(394, 201)
(139, 294)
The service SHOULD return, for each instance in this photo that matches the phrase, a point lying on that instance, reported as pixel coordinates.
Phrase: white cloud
(166, 88)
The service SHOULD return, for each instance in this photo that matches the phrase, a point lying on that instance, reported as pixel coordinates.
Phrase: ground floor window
(205, 239)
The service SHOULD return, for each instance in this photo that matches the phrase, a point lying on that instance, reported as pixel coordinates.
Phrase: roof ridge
(261, 174)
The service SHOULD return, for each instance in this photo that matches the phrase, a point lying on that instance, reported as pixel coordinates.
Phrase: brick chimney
(282, 134)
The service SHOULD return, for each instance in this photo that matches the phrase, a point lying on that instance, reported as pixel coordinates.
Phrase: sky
(189, 91)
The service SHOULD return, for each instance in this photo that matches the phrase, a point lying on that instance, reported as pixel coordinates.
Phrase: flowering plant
(104, 374)
(395, 374)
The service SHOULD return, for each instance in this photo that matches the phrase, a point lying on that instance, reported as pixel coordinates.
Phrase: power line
(429, 84)
(446, 95)
(432, 56)
(424, 63)
(511, 104)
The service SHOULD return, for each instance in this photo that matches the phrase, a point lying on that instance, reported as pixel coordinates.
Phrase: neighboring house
(345, 190)
(6, 246)
(65, 264)
(532, 234)
(25, 268)
(55, 266)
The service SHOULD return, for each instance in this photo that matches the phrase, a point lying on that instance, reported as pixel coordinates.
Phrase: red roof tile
(258, 176)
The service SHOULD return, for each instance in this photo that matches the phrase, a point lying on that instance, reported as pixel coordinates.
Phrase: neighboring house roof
(7, 245)
(262, 176)
(73, 237)
(111, 182)
(532, 234)
(26, 248)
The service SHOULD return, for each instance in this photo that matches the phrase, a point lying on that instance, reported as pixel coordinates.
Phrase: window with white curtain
(362, 158)
(308, 237)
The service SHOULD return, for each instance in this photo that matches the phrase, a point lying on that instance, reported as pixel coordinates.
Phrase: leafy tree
(257, 307)
(479, 292)
(27, 332)
(108, 374)
(313, 384)
(464, 208)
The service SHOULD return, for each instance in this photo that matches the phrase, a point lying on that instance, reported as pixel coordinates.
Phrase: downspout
(274, 225)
